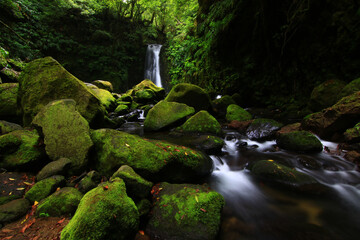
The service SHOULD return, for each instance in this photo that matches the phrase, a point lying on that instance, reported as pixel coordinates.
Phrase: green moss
(11, 74)
(61, 203)
(166, 114)
(7, 127)
(104, 85)
(105, 212)
(3, 62)
(105, 97)
(145, 96)
(235, 112)
(326, 94)
(8, 99)
(299, 141)
(201, 122)
(353, 134)
(350, 88)
(16, 64)
(148, 85)
(6, 199)
(44, 188)
(126, 98)
(122, 109)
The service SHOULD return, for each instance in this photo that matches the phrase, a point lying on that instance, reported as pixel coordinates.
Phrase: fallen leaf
(127, 145)
(106, 187)
(202, 209)
(10, 237)
(31, 222)
(35, 238)
(196, 198)
(27, 183)
(36, 203)
(11, 179)
(5, 230)
(142, 232)
(186, 153)
(19, 189)
(58, 189)
(61, 221)
(10, 193)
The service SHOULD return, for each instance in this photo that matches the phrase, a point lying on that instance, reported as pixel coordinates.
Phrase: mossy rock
(3, 62)
(106, 85)
(91, 86)
(191, 95)
(58, 167)
(105, 212)
(44, 188)
(10, 75)
(145, 96)
(201, 122)
(136, 186)
(121, 102)
(126, 98)
(263, 129)
(351, 134)
(90, 181)
(8, 198)
(16, 64)
(44, 80)
(66, 133)
(153, 160)
(105, 97)
(61, 203)
(237, 113)
(220, 105)
(147, 85)
(299, 141)
(273, 172)
(183, 211)
(350, 88)
(122, 109)
(13, 210)
(7, 127)
(326, 94)
(20, 150)
(165, 115)
(144, 207)
(8, 100)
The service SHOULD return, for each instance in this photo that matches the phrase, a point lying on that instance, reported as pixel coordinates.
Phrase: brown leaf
(5, 238)
(61, 221)
(31, 222)
(5, 230)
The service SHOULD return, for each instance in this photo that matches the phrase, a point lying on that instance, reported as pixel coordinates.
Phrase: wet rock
(240, 126)
(8, 198)
(44, 188)
(7, 127)
(289, 128)
(8, 101)
(235, 112)
(136, 186)
(299, 141)
(66, 133)
(309, 162)
(105, 212)
(13, 210)
(190, 95)
(262, 129)
(353, 156)
(58, 167)
(201, 122)
(106, 85)
(90, 181)
(326, 94)
(166, 114)
(353, 134)
(183, 211)
(61, 203)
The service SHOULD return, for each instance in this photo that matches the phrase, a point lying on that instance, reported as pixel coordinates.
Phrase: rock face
(351, 134)
(90, 181)
(58, 167)
(153, 160)
(350, 88)
(235, 112)
(166, 114)
(105, 97)
(44, 188)
(8, 96)
(184, 211)
(7, 127)
(13, 210)
(299, 141)
(336, 119)
(190, 95)
(104, 85)
(105, 212)
(262, 129)
(66, 132)
(201, 122)
(20, 149)
(60, 203)
(326, 94)
(44, 80)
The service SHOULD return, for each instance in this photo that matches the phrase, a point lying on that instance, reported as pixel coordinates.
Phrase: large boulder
(13, 210)
(105, 97)
(153, 160)
(8, 98)
(299, 141)
(236, 113)
(146, 92)
(66, 132)
(336, 119)
(7, 127)
(44, 188)
(104, 85)
(166, 115)
(20, 150)
(183, 211)
(44, 80)
(58, 167)
(190, 95)
(263, 129)
(325, 94)
(104, 213)
(201, 122)
(60, 203)
(350, 88)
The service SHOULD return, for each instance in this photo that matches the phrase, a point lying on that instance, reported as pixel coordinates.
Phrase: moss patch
(8, 98)
(201, 122)
(299, 141)
(44, 188)
(235, 112)
(105, 97)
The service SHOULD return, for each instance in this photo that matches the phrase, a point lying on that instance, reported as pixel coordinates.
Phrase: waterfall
(152, 64)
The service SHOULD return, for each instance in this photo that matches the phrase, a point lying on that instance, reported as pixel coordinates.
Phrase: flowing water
(152, 64)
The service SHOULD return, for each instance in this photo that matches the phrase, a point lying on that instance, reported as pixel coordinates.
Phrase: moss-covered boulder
(60, 203)
(104, 213)
(350, 88)
(351, 134)
(143, 87)
(44, 188)
(183, 211)
(20, 150)
(144, 207)
(299, 141)
(7, 127)
(8, 98)
(44, 80)
(262, 129)
(104, 85)
(10, 75)
(58, 167)
(272, 172)
(90, 181)
(122, 109)
(220, 105)
(13, 210)
(326, 94)
(136, 186)
(8, 198)
(191, 95)
(335, 119)
(153, 160)
(66, 132)
(166, 115)
(145, 96)
(201, 122)
(105, 97)
(235, 112)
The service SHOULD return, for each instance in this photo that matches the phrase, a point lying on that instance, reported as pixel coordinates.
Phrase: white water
(152, 64)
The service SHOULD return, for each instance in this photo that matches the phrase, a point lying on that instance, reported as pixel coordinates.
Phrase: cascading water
(152, 64)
